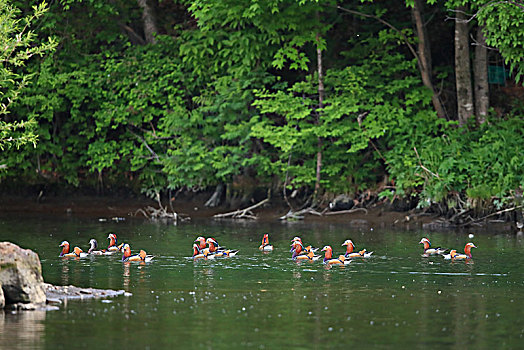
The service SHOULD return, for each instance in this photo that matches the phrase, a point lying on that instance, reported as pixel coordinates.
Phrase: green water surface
(396, 299)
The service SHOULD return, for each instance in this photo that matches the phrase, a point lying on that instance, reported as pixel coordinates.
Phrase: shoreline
(115, 207)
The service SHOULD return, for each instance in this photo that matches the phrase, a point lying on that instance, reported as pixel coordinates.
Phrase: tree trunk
(216, 198)
(424, 56)
(463, 68)
(320, 106)
(480, 70)
(148, 17)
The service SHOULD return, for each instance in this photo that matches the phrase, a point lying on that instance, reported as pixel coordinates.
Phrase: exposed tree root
(215, 199)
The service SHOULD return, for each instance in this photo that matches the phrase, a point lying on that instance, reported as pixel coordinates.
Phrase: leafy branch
(18, 47)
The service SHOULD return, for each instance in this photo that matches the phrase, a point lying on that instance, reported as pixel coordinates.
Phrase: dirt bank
(129, 207)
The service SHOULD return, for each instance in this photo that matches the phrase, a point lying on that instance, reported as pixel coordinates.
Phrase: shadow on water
(395, 299)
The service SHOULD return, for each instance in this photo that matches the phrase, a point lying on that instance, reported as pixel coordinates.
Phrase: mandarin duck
(329, 260)
(265, 246)
(430, 251)
(142, 256)
(76, 253)
(453, 255)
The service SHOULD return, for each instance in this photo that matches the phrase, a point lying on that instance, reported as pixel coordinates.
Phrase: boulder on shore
(22, 286)
(21, 276)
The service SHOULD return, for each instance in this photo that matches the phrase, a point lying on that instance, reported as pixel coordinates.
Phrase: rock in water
(21, 276)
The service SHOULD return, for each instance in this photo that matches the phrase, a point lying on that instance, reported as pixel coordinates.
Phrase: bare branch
(423, 167)
(473, 16)
(144, 142)
(476, 43)
(387, 24)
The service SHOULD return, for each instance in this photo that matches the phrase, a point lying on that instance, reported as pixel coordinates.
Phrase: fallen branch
(299, 215)
(473, 221)
(347, 211)
(243, 213)
(161, 213)
(292, 215)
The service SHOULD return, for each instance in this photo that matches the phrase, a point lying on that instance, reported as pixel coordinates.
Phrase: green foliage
(483, 163)
(18, 46)
(364, 103)
(503, 27)
(124, 97)
(148, 119)
(231, 89)
(503, 24)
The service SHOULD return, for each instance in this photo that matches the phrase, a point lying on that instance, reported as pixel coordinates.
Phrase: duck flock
(207, 249)
(113, 248)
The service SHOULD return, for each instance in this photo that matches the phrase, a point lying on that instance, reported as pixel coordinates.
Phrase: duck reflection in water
(208, 272)
(65, 272)
(327, 276)
(204, 278)
(125, 281)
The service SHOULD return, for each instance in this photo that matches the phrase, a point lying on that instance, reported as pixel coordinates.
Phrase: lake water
(396, 299)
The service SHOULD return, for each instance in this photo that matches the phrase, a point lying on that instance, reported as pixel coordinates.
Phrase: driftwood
(157, 213)
(161, 213)
(243, 213)
(299, 215)
(347, 211)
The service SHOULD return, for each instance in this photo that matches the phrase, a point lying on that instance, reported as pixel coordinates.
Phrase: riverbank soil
(114, 207)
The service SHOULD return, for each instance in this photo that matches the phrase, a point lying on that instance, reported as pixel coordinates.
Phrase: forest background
(418, 102)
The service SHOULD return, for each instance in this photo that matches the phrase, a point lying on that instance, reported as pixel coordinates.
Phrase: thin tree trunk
(480, 70)
(320, 106)
(148, 17)
(424, 57)
(465, 108)
(215, 199)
